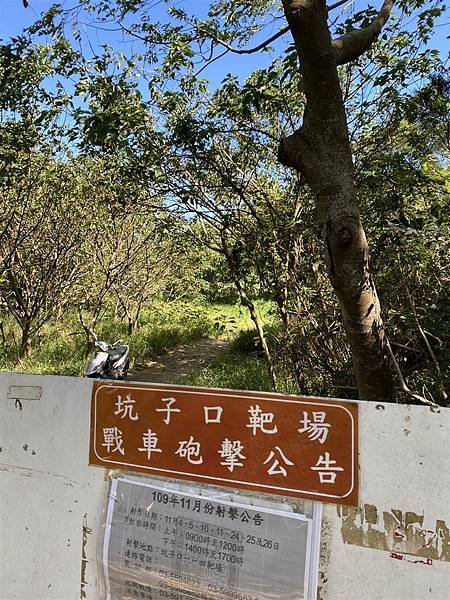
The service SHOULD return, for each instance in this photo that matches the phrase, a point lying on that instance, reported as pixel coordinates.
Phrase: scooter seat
(117, 352)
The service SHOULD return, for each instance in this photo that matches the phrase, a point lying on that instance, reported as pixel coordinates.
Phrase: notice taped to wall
(164, 543)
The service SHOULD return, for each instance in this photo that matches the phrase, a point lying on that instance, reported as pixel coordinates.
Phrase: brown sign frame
(343, 416)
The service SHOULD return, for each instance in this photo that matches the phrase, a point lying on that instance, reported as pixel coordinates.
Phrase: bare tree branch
(425, 341)
(337, 4)
(403, 387)
(354, 43)
(269, 40)
(260, 46)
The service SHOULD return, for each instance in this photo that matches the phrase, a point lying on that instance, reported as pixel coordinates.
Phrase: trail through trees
(180, 362)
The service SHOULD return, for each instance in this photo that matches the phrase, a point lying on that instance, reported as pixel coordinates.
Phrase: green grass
(242, 368)
(231, 319)
(60, 347)
(234, 371)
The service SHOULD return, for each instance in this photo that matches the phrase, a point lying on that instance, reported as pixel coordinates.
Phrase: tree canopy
(339, 141)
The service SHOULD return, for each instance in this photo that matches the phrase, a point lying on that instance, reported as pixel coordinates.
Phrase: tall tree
(40, 245)
(321, 151)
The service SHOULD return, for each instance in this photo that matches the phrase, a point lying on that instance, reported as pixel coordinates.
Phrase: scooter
(109, 361)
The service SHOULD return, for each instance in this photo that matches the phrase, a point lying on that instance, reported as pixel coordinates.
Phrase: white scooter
(109, 361)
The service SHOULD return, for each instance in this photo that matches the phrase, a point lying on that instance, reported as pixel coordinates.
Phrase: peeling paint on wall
(84, 561)
(397, 531)
(404, 557)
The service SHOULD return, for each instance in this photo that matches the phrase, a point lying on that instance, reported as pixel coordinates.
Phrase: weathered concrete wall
(50, 500)
(395, 546)
(397, 543)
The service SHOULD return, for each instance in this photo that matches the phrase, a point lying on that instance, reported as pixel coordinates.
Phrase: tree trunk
(293, 353)
(262, 337)
(2, 333)
(88, 329)
(25, 342)
(137, 314)
(245, 301)
(320, 150)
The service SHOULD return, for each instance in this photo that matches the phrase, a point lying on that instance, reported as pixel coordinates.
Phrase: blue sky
(14, 18)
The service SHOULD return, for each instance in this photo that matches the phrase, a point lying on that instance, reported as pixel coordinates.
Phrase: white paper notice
(162, 543)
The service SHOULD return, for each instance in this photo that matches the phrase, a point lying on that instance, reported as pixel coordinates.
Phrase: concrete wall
(396, 545)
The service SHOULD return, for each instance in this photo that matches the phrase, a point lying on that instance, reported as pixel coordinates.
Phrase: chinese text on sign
(294, 446)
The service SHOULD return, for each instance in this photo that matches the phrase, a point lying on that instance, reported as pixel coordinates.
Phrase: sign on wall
(287, 445)
(166, 543)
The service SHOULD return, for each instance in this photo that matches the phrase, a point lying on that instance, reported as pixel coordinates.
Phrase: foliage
(409, 225)
(234, 371)
(172, 190)
(60, 347)
(41, 264)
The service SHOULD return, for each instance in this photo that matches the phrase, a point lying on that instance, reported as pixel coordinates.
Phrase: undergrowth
(60, 347)
(242, 368)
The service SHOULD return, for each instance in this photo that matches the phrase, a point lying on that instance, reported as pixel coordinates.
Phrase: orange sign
(288, 445)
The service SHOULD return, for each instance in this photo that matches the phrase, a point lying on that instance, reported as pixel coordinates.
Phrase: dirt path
(180, 362)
